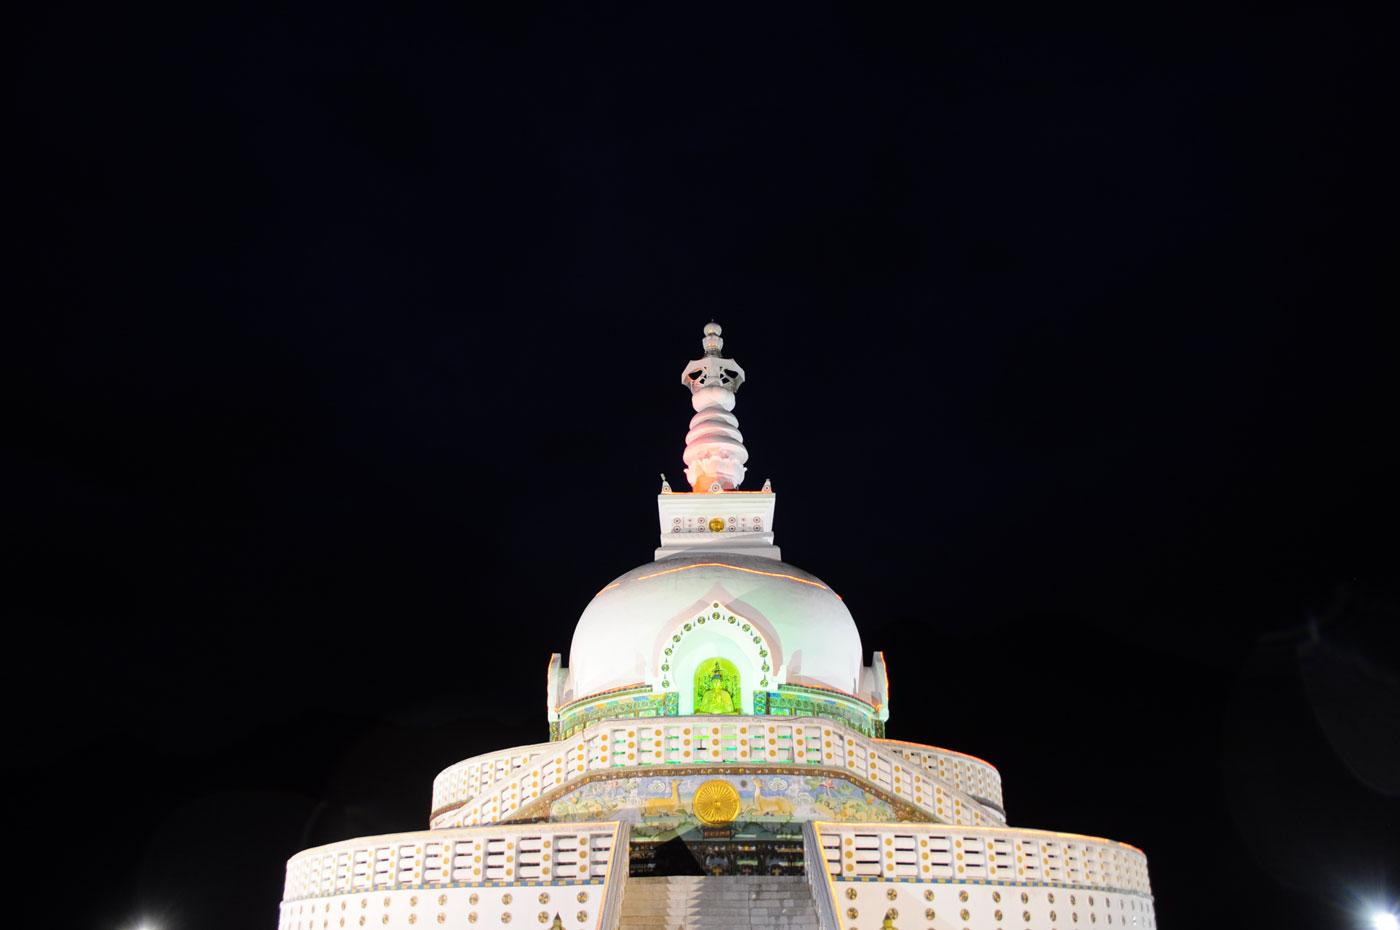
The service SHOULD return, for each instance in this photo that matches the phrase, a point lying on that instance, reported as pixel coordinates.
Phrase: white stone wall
(967, 773)
(490, 876)
(464, 780)
(926, 877)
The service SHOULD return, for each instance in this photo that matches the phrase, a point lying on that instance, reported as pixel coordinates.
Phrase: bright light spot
(1384, 920)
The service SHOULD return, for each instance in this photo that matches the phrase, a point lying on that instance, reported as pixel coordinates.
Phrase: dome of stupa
(718, 623)
(661, 622)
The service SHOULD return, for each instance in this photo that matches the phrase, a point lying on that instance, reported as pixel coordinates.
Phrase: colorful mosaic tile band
(796, 701)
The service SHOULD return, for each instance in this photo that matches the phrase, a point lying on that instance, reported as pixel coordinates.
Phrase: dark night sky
(344, 348)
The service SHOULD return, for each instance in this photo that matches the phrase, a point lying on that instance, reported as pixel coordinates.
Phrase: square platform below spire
(727, 521)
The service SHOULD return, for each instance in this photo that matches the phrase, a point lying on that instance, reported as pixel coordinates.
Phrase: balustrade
(683, 741)
(917, 852)
(523, 854)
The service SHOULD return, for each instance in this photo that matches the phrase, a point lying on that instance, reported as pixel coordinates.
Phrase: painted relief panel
(659, 807)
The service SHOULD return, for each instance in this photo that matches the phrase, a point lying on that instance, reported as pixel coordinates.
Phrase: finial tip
(713, 342)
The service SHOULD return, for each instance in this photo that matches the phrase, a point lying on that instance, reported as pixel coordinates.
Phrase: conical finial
(665, 485)
(714, 447)
(712, 342)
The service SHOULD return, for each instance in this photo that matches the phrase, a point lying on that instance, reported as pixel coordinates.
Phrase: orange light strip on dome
(751, 571)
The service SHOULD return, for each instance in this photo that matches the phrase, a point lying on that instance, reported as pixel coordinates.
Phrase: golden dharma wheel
(716, 802)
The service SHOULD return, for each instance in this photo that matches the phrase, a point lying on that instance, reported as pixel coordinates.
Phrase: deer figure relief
(657, 807)
(769, 806)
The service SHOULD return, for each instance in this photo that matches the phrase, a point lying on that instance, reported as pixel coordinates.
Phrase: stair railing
(618, 867)
(814, 867)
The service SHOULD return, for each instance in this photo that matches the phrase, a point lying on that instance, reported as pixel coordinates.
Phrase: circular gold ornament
(716, 525)
(716, 802)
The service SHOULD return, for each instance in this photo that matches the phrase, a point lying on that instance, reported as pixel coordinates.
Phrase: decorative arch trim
(739, 628)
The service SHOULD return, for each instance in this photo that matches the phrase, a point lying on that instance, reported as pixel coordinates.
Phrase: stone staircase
(719, 902)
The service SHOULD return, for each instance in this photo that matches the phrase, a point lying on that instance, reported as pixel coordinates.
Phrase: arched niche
(716, 634)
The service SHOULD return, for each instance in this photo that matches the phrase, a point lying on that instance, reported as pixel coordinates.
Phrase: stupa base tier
(813, 768)
(486, 876)
(863, 905)
(575, 875)
(935, 877)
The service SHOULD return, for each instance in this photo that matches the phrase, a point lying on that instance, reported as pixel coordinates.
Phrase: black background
(344, 352)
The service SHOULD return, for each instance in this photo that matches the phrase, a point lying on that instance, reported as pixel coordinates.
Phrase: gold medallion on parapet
(716, 802)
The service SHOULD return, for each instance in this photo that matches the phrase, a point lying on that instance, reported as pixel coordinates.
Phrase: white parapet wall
(464, 780)
(969, 774)
(486, 876)
(911, 773)
(935, 877)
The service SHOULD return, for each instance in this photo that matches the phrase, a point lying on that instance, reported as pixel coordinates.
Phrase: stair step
(723, 902)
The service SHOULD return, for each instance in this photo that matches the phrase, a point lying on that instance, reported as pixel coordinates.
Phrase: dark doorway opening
(733, 850)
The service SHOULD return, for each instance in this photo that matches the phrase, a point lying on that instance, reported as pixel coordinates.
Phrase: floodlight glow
(1384, 920)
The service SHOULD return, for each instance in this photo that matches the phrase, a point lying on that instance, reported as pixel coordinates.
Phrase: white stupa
(717, 759)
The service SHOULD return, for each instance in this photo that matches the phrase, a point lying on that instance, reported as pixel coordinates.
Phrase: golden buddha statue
(716, 698)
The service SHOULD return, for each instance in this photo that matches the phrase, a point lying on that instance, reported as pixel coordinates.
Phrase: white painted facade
(634, 748)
